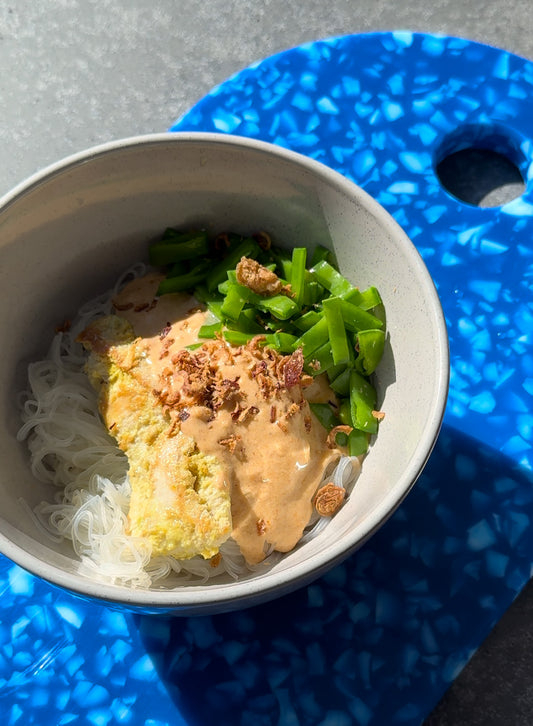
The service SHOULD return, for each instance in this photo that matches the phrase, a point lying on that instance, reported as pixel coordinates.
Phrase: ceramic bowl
(69, 231)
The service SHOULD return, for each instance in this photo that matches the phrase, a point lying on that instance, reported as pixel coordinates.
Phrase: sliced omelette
(180, 500)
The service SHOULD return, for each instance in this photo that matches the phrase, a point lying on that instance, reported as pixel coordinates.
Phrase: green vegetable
(357, 443)
(233, 302)
(336, 331)
(328, 419)
(355, 318)
(369, 345)
(247, 248)
(325, 414)
(323, 253)
(168, 252)
(187, 281)
(321, 360)
(331, 279)
(210, 331)
(339, 328)
(313, 338)
(362, 403)
(299, 256)
(280, 306)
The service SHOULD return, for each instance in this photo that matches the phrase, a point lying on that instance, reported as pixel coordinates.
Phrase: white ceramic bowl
(67, 233)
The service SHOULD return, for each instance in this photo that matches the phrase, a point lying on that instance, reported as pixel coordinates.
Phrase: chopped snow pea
(247, 248)
(362, 402)
(331, 279)
(369, 345)
(281, 342)
(357, 442)
(336, 331)
(313, 338)
(307, 320)
(299, 256)
(321, 360)
(345, 412)
(365, 299)
(210, 331)
(323, 253)
(187, 281)
(328, 418)
(233, 303)
(280, 306)
(168, 252)
(325, 414)
(341, 383)
(356, 319)
(313, 292)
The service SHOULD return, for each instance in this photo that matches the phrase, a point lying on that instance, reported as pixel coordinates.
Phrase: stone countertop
(79, 72)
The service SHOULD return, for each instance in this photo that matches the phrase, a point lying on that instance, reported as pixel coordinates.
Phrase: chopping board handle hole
(482, 165)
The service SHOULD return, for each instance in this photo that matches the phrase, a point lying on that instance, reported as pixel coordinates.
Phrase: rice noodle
(71, 449)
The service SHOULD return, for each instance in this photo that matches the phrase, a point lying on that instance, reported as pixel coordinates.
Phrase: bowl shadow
(380, 637)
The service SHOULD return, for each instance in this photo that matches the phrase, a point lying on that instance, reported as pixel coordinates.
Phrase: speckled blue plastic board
(378, 639)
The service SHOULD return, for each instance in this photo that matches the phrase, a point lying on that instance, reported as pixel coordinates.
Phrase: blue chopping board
(378, 639)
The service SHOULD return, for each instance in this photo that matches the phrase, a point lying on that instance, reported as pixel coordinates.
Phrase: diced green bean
(247, 248)
(345, 412)
(323, 253)
(329, 419)
(341, 383)
(178, 268)
(180, 283)
(175, 235)
(233, 303)
(246, 323)
(202, 294)
(282, 342)
(236, 337)
(334, 371)
(215, 308)
(325, 414)
(336, 331)
(210, 331)
(355, 318)
(321, 360)
(357, 443)
(299, 256)
(369, 346)
(166, 253)
(329, 278)
(308, 319)
(313, 338)
(280, 306)
(283, 260)
(362, 402)
(249, 296)
(313, 293)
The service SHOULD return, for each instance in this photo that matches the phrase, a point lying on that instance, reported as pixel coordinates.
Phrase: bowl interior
(69, 232)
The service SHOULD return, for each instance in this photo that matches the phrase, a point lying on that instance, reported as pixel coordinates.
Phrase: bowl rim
(219, 596)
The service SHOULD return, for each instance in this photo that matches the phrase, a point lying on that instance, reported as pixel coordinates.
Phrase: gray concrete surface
(78, 72)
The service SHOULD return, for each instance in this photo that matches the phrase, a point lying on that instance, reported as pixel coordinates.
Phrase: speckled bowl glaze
(69, 231)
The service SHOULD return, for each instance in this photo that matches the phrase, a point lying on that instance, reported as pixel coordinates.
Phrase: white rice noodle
(70, 448)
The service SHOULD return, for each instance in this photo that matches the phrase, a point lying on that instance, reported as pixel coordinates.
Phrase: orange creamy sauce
(272, 450)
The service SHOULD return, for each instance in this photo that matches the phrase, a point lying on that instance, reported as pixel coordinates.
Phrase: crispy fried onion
(204, 384)
(258, 278)
(329, 499)
(331, 441)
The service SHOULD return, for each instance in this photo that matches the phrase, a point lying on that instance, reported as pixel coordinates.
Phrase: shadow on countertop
(379, 639)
